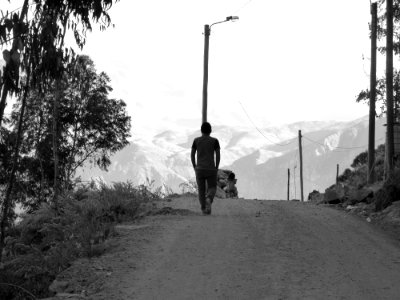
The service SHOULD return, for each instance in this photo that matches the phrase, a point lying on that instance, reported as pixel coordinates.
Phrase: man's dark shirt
(205, 147)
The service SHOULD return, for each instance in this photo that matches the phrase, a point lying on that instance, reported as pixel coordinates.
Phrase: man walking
(206, 168)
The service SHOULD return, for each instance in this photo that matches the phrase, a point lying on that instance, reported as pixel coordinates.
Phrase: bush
(189, 187)
(345, 176)
(360, 160)
(358, 176)
(47, 240)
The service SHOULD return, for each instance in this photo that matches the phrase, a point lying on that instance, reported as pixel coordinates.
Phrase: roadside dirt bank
(247, 249)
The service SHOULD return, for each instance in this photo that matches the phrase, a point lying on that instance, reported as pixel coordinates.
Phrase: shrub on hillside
(389, 193)
(345, 175)
(357, 176)
(360, 160)
(189, 187)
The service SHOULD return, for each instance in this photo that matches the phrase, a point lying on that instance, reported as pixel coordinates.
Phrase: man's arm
(217, 157)
(193, 157)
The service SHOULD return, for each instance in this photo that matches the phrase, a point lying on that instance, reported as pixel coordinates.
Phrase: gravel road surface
(249, 249)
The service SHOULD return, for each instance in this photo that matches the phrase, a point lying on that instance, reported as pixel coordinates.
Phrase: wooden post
(288, 184)
(389, 89)
(294, 182)
(372, 97)
(205, 72)
(337, 174)
(301, 168)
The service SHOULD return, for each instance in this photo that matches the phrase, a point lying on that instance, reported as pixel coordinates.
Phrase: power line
(277, 144)
(365, 147)
(347, 148)
(342, 148)
(242, 7)
(293, 139)
(321, 139)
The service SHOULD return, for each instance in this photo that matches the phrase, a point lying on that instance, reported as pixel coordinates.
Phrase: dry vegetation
(47, 240)
(376, 203)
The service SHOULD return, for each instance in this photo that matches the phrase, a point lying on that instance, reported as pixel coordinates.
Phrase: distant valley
(260, 158)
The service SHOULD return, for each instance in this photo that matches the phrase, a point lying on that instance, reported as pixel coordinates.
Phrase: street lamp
(207, 31)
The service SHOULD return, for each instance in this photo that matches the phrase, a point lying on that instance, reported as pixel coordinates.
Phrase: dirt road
(250, 249)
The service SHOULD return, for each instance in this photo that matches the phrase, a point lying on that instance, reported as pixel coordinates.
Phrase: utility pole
(294, 181)
(372, 97)
(389, 90)
(207, 32)
(288, 183)
(205, 71)
(337, 174)
(301, 167)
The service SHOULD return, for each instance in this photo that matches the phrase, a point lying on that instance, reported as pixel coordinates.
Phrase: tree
(37, 52)
(44, 35)
(10, 78)
(364, 95)
(382, 31)
(92, 126)
(388, 88)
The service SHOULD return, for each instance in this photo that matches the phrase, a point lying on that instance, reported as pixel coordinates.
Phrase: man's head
(206, 128)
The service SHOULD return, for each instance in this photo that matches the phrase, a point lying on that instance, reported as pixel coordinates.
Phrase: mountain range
(260, 157)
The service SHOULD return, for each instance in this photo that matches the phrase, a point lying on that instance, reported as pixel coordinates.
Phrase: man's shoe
(208, 205)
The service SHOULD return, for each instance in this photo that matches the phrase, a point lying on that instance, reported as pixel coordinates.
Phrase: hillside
(322, 151)
(260, 165)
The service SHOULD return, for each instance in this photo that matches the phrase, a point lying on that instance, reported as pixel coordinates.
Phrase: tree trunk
(3, 101)
(389, 90)
(7, 200)
(57, 97)
(39, 156)
(71, 160)
(372, 96)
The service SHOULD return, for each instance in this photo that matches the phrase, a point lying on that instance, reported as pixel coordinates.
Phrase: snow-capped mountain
(322, 150)
(259, 157)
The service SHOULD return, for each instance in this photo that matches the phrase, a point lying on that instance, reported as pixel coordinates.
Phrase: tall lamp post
(207, 31)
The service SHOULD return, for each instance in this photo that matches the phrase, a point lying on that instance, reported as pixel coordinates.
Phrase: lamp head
(232, 18)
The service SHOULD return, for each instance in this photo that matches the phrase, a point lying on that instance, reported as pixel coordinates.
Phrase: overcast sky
(284, 61)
